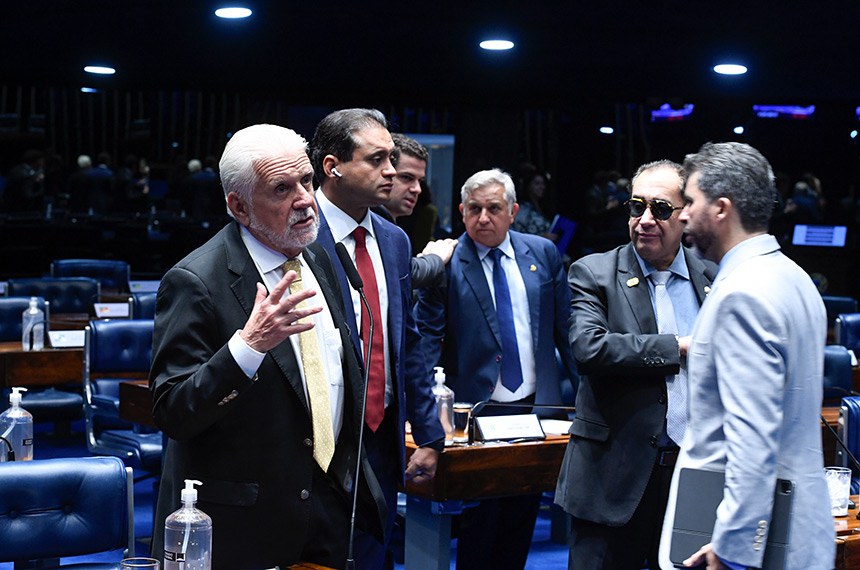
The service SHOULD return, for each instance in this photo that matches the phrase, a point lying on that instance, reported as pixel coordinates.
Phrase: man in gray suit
(630, 350)
(755, 364)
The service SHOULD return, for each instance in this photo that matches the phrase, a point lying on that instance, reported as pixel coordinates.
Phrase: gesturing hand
(275, 316)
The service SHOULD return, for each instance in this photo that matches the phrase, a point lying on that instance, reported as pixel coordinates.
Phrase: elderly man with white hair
(253, 379)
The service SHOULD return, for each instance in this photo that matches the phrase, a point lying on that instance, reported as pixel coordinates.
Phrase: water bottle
(16, 426)
(33, 326)
(444, 405)
(188, 534)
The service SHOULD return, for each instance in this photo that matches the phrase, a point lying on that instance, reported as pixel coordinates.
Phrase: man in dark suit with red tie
(353, 156)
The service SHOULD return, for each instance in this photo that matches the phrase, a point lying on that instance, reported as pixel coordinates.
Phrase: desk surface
(49, 367)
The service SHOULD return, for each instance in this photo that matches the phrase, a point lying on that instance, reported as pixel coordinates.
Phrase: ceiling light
(607, 130)
(89, 90)
(853, 134)
(730, 69)
(233, 12)
(497, 45)
(738, 130)
(100, 69)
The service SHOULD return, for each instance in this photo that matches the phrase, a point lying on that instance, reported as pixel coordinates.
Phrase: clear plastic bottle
(33, 326)
(16, 425)
(444, 405)
(188, 534)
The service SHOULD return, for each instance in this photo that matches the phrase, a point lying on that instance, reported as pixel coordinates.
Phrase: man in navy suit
(353, 159)
(463, 327)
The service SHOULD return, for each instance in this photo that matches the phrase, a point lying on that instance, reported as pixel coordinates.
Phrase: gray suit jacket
(621, 403)
(755, 367)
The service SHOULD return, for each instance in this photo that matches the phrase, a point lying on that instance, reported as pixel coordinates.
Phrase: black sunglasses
(660, 209)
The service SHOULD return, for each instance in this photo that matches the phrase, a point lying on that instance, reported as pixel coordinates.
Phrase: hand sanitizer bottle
(33, 326)
(16, 426)
(444, 405)
(188, 534)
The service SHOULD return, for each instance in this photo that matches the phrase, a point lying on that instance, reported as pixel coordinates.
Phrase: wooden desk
(135, 402)
(848, 539)
(469, 474)
(48, 367)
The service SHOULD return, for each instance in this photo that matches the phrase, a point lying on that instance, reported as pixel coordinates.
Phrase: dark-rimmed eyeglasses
(660, 209)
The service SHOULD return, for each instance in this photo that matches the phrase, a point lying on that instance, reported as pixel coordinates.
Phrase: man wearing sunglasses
(632, 311)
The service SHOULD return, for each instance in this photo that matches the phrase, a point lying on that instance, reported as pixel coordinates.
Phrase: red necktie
(375, 406)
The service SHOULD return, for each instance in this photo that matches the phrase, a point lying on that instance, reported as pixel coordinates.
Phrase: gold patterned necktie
(317, 387)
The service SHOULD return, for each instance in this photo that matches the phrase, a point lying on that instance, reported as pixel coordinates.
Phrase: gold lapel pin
(633, 282)
(533, 267)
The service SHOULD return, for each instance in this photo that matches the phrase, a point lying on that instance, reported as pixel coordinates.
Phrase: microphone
(356, 283)
(349, 268)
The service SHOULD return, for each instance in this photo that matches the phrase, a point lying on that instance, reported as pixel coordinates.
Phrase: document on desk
(66, 339)
(555, 427)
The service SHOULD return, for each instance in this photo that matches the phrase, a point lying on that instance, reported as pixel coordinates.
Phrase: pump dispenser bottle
(188, 534)
(444, 404)
(16, 425)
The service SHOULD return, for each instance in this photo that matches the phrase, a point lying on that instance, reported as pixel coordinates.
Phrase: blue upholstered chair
(143, 305)
(111, 273)
(46, 404)
(66, 294)
(849, 433)
(56, 508)
(847, 331)
(837, 374)
(117, 350)
(836, 304)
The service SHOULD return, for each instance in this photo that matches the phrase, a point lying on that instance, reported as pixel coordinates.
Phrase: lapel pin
(533, 267)
(707, 289)
(633, 282)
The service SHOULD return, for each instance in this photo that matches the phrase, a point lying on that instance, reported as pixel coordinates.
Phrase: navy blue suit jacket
(460, 330)
(413, 385)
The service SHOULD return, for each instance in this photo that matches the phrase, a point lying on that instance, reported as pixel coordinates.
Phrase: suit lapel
(531, 279)
(325, 239)
(632, 283)
(392, 284)
(473, 274)
(701, 283)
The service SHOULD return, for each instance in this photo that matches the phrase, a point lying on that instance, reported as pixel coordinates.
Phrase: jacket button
(498, 358)
(305, 494)
(308, 442)
(654, 441)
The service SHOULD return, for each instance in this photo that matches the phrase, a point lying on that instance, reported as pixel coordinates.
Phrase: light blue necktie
(512, 372)
(676, 386)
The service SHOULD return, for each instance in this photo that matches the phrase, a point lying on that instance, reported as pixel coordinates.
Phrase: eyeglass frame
(648, 205)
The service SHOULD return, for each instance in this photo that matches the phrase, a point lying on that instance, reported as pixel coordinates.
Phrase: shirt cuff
(247, 358)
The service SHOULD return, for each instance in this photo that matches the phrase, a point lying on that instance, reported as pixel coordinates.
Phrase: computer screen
(820, 236)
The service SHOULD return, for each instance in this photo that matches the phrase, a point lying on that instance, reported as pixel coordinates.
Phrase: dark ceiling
(374, 53)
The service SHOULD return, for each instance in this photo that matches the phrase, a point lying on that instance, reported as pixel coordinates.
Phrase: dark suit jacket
(250, 443)
(427, 270)
(413, 386)
(460, 330)
(621, 403)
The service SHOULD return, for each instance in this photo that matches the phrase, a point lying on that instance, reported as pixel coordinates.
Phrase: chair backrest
(143, 305)
(11, 313)
(847, 331)
(837, 373)
(53, 508)
(849, 434)
(836, 304)
(111, 273)
(66, 294)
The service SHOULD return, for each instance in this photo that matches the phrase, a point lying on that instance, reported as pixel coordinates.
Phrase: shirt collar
(677, 267)
(506, 246)
(265, 258)
(339, 222)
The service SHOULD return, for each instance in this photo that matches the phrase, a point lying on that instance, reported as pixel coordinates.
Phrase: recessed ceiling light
(497, 45)
(89, 90)
(607, 130)
(233, 12)
(853, 134)
(730, 69)
(100, 69)
(738, 130)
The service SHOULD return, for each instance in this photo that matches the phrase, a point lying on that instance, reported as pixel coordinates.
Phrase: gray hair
(249, 145)
(84, 161)
(740, 173)
(679, 170)
(486, 178)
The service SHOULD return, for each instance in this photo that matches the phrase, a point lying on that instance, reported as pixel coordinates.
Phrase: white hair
(249, 145)
(487, 178)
